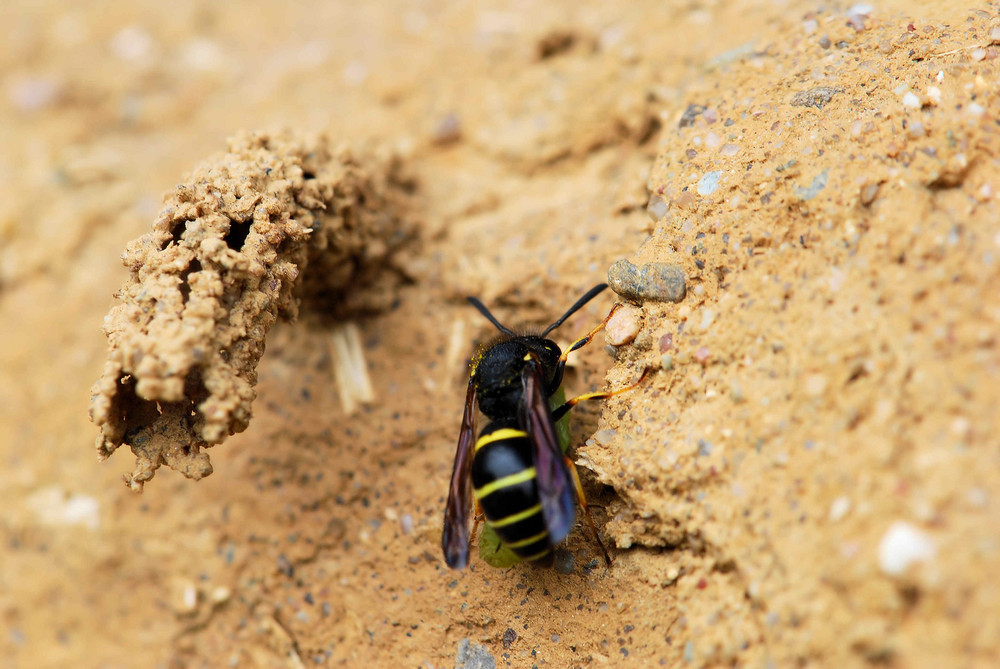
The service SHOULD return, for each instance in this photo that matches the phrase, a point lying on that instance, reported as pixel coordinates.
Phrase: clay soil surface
(809, 475)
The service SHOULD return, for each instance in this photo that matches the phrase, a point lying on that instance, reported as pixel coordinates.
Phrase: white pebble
(203, 55)
(839, 508)
(707, 318)
(54, 507)
(815, 385)
(977, 497)
(657, 207)
(132, 44)
(605, 436)
(623, 326)
(30, 95)
(901, 546)
(709, 183)
(911, 100)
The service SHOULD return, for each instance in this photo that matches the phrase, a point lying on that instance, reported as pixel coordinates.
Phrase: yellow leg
(586, 509)
(478, 518)
(561, 410)
(584, 340)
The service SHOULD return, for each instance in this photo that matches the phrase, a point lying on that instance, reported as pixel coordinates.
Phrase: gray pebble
(654, 281)
(815, 97)
(692, 112)
(818, 183)
(472, 655)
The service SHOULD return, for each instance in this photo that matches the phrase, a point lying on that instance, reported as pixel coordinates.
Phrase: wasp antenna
(490, 317)
(591, 294)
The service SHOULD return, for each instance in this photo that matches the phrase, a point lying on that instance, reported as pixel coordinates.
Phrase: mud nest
(276, 221)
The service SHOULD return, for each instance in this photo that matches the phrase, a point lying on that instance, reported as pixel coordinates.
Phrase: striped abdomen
(503, 477)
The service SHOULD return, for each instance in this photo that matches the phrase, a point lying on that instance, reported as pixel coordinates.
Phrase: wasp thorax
(499, 372)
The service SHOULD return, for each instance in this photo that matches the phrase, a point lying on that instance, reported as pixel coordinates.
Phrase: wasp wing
(455, 537)
(555, 489)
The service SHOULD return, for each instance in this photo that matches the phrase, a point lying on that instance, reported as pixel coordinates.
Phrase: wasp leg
(586, 339)
(578, 344)
(478, 518)
(563, 409)
(586, 509)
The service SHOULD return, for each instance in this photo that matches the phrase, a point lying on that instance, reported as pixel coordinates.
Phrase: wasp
(523, 485)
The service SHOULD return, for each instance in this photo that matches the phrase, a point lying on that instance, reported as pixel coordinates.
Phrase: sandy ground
(809, 476)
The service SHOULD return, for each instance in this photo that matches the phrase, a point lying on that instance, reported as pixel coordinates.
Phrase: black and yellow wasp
(524, 485)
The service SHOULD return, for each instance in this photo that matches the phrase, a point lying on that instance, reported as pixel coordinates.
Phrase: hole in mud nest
(176, 230)
(136, 413)
(194, 388)
(237, 235)
(307, 175)
(185, 287)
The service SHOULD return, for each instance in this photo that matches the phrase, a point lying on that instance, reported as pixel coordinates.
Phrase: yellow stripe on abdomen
(517, 517)
(505, 482)
(500, 435)
(527, 542)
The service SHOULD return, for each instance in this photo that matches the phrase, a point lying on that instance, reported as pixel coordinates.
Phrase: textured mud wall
(226, 257)
(836, 347)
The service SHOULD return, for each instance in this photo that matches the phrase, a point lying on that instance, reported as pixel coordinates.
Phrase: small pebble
(657, 207)
(868, 193)
(729, 149)
(658, 282)
(604, 437)
(189, 599)
(472, 655)
(623, 326)
(709, 183)
(815, 97)
(447, 130)
(132, 44)
(736, 391)
(692, 112)
(911, 100)
(818, 183)
(815, 385)
(684, 200)
(707, 318)
(839, 508)
(916, 130)
(33, 94)
(901, 546)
